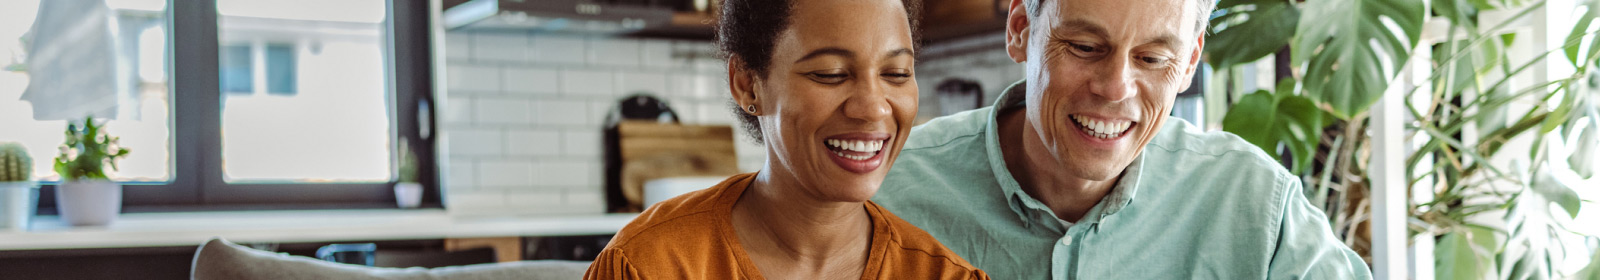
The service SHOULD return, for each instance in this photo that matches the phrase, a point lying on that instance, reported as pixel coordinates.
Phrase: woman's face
(839, 97)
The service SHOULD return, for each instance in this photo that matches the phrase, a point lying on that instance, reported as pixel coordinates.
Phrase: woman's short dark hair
(749, 29)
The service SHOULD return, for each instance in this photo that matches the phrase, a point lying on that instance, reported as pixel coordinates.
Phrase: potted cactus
(408, 192)
(19, 195)
(86, 196)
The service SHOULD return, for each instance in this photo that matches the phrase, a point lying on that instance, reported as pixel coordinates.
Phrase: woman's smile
(857, 152)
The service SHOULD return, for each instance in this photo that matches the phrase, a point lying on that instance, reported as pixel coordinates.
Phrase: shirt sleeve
(611, 264)
(1307, 248)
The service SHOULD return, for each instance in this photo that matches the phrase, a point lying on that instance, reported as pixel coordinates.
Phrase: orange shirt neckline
(877, 247)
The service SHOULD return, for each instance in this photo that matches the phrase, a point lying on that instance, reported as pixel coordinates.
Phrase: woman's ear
(1017, 31)
(742, 84)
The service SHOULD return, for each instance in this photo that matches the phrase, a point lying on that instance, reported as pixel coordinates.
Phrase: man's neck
(1041, 175)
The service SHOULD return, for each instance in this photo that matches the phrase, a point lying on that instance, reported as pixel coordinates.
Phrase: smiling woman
(827, 86)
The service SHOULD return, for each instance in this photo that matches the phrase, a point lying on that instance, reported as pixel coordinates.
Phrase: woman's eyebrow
(827, 51)
(898, 52)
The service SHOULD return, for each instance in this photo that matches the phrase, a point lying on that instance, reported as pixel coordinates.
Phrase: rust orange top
(692, 237)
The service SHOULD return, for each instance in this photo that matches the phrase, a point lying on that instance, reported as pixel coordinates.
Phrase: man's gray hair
(1203, 9)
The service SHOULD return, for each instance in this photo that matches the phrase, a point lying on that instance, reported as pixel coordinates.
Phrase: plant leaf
(1267, 120)
(1547, 186)
(1249, 30)
(1461, 255)
(1351, 49)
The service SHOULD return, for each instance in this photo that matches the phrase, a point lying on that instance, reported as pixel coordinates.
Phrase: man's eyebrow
(1079, 25)
(827, 51)
(1166, 39)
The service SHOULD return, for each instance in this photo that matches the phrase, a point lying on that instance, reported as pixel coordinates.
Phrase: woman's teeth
(869, 148)
(1102, 129)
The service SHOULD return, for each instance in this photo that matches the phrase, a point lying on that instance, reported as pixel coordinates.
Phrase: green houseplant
(86, 196)
(408, 191)
(19, 194)
(1487, 205)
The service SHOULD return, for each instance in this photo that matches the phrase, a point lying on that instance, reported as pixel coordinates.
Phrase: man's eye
(1154, 60)
(1083, 48)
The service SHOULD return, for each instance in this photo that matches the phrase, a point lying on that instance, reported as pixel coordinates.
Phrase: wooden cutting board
(652, 150)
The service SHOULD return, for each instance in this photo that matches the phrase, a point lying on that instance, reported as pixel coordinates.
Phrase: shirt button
(1066, 240)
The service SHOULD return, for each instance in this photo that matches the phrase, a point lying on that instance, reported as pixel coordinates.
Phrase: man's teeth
(864, 146)
(1101, 128)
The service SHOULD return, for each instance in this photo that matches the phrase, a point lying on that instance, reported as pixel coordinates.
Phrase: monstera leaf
(1267, 119)
(1466, 254)
(1249, 30)
(1351, 49)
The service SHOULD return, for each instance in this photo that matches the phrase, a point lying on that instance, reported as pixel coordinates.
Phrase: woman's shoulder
(693, 214)
(912, 251)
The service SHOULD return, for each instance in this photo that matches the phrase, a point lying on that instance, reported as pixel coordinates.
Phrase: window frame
(197, 181)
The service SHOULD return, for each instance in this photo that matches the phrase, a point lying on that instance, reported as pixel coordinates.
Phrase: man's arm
(1307, 248)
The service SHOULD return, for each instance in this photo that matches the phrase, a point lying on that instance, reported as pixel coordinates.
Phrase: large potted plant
(1493, 209)
(19, 195)
(86, 196)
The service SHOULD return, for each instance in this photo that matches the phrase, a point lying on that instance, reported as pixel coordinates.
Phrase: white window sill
(191, 229)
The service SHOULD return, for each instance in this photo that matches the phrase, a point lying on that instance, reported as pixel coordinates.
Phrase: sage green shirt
(1193, 205)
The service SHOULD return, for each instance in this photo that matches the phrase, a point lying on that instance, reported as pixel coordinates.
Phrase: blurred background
(1444, 139)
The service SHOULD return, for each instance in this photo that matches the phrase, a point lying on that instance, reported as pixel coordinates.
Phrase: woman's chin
(859, 190)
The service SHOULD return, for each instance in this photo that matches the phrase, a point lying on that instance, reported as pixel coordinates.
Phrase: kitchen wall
(524, 112)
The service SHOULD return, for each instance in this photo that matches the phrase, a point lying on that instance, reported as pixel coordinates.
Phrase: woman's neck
(791, 234)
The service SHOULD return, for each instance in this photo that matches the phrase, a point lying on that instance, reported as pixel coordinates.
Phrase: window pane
(125, 43)
(317, 109)
(238, 69)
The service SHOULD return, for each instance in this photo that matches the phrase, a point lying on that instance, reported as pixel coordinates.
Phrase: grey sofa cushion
(220, 259)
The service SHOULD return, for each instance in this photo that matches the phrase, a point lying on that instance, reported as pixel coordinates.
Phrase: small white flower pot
(89, 203)
(18, 201)
(408, 195)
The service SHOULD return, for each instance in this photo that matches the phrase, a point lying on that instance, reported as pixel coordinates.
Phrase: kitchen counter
(190, 229)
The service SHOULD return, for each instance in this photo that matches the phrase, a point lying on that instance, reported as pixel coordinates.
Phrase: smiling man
(1076, 172)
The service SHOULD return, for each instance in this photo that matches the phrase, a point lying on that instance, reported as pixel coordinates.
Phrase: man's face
(1102, 75)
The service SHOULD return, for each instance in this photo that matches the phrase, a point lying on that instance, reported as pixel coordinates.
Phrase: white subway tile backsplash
(653, 83)
(462, 174)
(531, 80)
(581, 142)
(533, 143)
(504, 47)
(564, 173)
(503, 111)
(586, 197)
(475, 142)
(613, 52)
(546, 200)
(656, 53)
(524, 123)
(559, 49)
(474, 78)
(474, 200)
(561, 112)
(587, 82)
(457, 111)
(505, 173)
(457, 47)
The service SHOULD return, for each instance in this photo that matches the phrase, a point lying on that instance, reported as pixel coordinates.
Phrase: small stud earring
(750, 109)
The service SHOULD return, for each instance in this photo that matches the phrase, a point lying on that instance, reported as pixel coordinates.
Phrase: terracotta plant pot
(89, 203)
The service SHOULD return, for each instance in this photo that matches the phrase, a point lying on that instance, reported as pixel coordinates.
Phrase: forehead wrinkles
(1139, 21)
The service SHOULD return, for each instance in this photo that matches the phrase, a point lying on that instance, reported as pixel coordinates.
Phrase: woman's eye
(829, 78)
(897, 77)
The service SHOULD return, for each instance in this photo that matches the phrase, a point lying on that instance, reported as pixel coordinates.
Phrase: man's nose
(867, 101)
(1115, 80)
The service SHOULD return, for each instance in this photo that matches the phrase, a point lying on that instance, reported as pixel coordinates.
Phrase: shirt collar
(1029, 208)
